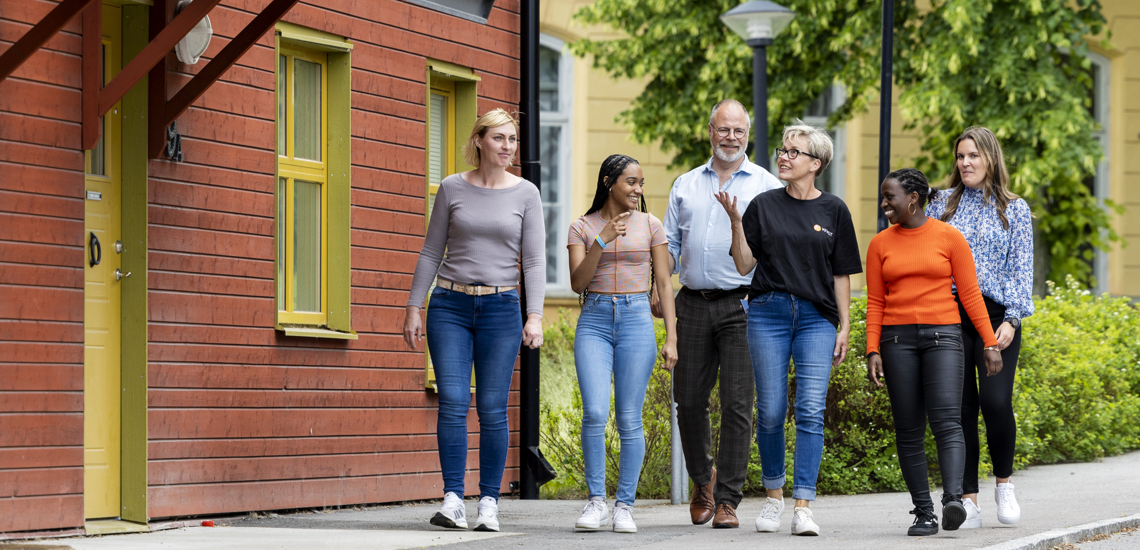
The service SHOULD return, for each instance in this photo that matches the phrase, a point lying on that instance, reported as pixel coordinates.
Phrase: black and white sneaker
(925, 523)
(453, 514)
(953, 513)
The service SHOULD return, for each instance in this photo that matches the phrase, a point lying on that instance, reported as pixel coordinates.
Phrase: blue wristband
(598, 238)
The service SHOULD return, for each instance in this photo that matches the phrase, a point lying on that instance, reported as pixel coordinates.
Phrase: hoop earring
(912, 209)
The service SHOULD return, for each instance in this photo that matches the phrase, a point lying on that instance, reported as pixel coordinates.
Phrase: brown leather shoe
(725, 517)
(701, 505)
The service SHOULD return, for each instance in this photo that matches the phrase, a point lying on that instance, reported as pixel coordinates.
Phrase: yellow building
(580, 103)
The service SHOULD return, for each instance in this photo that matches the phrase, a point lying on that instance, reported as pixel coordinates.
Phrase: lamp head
(758, 20)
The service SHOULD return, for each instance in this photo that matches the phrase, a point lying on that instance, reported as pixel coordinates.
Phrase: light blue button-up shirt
(698, 229)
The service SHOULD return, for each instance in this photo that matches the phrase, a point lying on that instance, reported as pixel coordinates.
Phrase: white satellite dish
(191, 47)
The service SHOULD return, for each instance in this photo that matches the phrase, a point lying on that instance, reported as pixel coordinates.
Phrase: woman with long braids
(617, 251)
(482, 222)
(998, 226)
(915, 339)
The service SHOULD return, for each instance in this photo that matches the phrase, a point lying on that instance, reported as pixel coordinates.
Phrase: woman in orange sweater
(914, 338)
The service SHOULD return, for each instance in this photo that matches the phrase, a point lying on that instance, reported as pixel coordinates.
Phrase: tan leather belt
(472, 290)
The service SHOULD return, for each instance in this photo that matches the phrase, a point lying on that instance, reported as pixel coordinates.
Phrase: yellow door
(101, 294)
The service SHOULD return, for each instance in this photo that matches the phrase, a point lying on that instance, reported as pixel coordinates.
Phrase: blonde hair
(491, 119)
(819, 141)
(996, 183)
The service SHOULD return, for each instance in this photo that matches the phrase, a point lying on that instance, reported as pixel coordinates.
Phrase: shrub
(1077, 393)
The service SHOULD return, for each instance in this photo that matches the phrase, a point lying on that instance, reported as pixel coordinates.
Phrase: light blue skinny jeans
(614, 341)
(782, 327)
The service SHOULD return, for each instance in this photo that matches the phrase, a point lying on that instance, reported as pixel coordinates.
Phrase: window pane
(281, 121)
(554, 245)
(99, 152)
(825, 180)
(306, 246)
(282, 235)
(549, 148)
(306, 110)
(437, 139)
(821, 106)
(548, 79)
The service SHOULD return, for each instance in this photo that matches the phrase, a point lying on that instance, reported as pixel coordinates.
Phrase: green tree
(1016, 66)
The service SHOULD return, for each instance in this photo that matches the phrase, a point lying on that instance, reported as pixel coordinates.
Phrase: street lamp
(758, 22)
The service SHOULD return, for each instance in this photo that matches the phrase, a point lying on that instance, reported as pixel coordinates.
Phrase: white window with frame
(554, 102)
(833, 179)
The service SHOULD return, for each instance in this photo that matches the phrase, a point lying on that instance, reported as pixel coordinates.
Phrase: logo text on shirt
(824, 229)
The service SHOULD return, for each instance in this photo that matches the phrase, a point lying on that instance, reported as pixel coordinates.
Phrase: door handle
(96, 250)
(119, 274)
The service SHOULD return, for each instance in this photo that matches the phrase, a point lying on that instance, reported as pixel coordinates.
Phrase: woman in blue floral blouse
(997, 225)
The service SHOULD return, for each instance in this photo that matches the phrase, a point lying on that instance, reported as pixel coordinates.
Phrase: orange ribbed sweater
(909, 280)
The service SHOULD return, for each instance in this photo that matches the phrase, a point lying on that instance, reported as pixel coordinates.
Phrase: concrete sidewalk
(1051, 498)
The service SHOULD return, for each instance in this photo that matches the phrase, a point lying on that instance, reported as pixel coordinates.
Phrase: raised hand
(728, 201)
(614, 228)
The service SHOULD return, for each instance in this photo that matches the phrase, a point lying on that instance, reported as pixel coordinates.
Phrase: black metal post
(760, 100)
(885, 96)
(531, 170)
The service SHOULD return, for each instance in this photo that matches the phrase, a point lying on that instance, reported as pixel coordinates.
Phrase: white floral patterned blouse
(1003, 257)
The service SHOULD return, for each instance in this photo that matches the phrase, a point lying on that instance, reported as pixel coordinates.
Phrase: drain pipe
(528, 157)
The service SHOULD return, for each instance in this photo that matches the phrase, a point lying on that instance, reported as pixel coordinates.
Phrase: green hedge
(1076, 399)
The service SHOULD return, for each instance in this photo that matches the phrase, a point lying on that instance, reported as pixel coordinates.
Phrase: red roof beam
(39, 35)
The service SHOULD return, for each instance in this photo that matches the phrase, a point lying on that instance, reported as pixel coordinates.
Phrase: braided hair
(608, 175)
(912, 181)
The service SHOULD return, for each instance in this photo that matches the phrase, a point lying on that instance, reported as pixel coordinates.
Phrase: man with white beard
(711, 321)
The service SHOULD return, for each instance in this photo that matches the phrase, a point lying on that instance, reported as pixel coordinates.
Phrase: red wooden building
(221, 332)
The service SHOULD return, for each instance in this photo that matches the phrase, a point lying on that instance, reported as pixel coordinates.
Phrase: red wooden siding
(242, 417)
(41, 280)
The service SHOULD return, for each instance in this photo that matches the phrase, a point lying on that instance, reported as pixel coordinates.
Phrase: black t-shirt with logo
(800, 246)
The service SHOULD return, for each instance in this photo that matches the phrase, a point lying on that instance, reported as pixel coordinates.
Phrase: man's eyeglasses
(793, 153)
(739, 133)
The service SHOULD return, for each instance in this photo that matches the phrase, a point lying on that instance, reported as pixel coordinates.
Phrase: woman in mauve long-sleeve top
(484, 219)
(999, 228)
(915, 339)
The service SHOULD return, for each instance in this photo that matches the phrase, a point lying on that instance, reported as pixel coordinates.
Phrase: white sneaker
(594, 515)
(623, 519)
(769, 520)
(488, 519)
(1008, 511)
(973, 515)
(802, 523)
(453, 514)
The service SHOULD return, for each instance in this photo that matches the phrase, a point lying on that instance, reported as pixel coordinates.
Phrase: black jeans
(993, 395)
(711, 341)
(922, 365)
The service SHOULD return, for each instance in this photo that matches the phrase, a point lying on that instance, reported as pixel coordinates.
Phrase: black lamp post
(885, 98)
(758, 22)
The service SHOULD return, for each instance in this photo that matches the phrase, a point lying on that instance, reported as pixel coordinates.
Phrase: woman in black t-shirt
(802, 245)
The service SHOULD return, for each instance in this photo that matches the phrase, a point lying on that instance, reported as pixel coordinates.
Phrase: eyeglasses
(739, 133)
(793, 153)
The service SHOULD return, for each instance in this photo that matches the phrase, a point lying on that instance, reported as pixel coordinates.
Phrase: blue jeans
(486, 331)
(782, 327)
(614, 340)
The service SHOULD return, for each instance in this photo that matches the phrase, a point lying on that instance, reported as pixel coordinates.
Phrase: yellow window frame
(291, 168)
(458, 85)
(112, 53)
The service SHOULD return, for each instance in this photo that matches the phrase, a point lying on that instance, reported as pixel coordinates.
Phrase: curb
(1049, 539)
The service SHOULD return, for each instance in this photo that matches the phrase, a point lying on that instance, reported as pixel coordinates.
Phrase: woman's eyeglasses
(793, 153)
